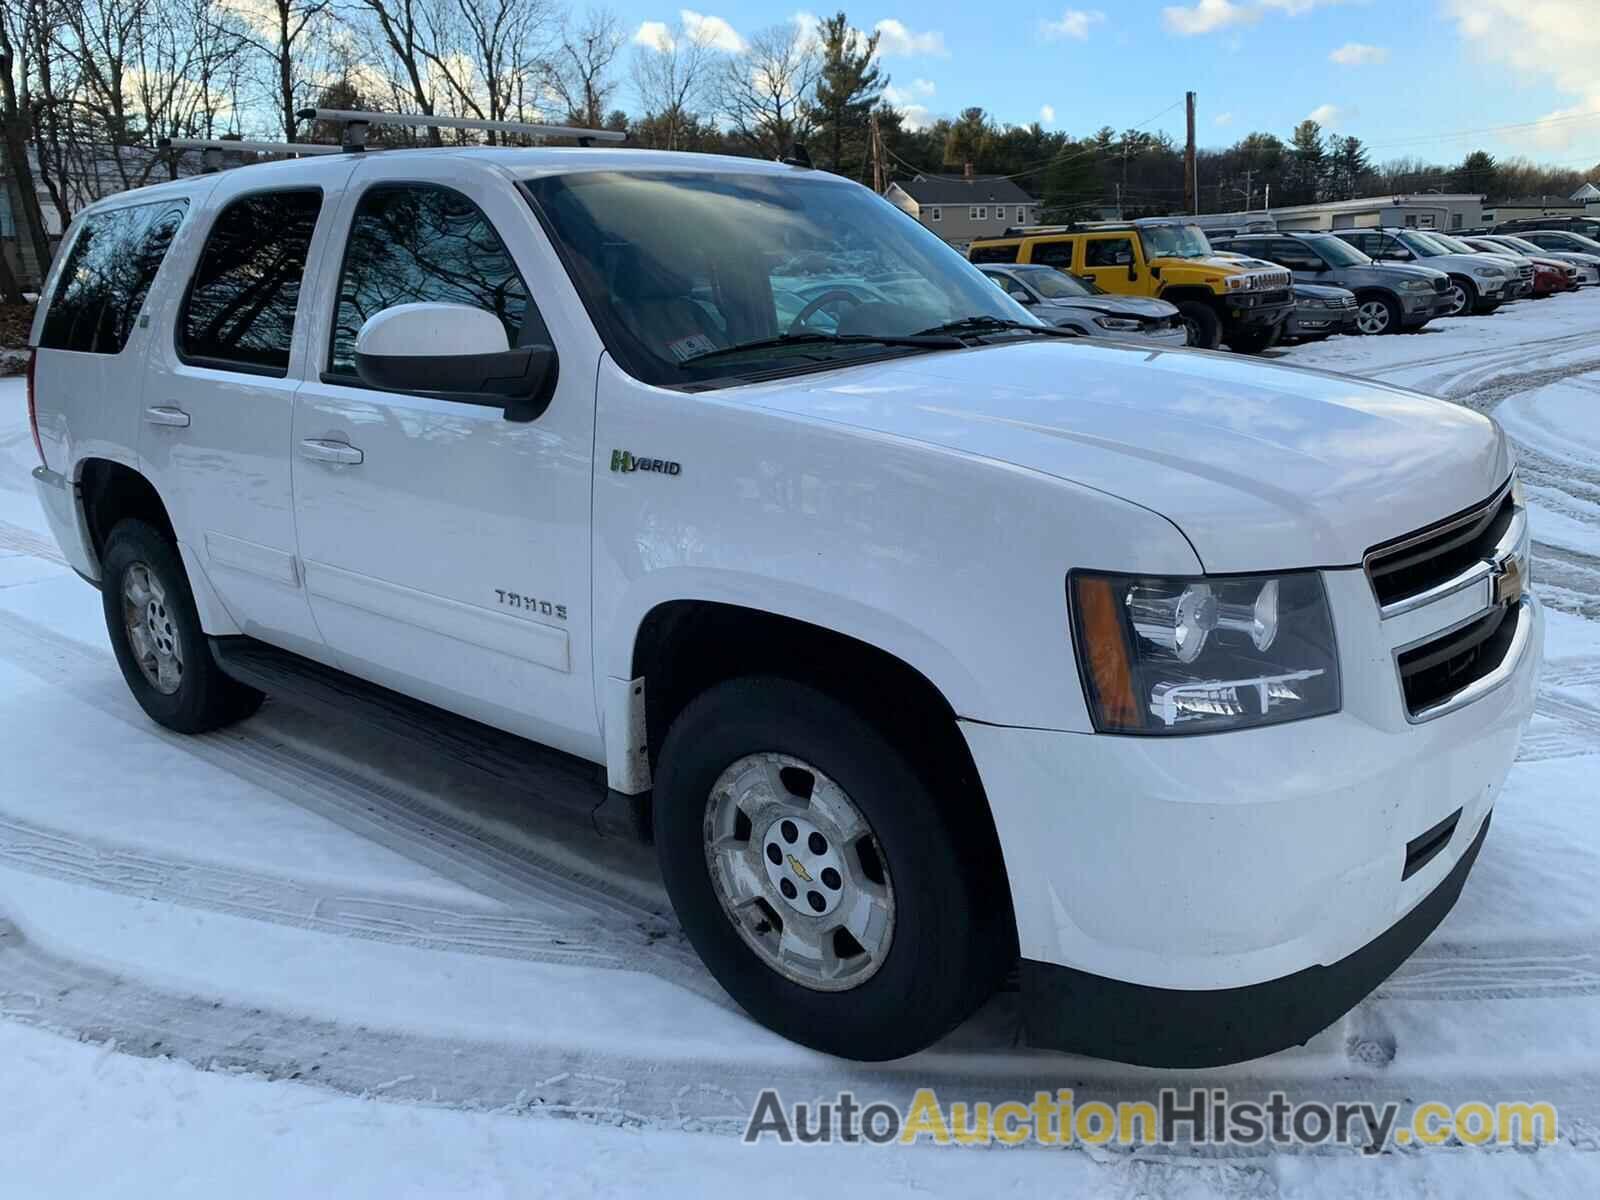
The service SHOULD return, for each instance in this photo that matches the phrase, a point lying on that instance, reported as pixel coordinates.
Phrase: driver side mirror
(454, 352)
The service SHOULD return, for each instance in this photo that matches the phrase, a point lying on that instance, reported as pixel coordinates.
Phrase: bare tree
(486, 52)
(767, 90)
(282, 34)
(406, 30)
(24, 46)
(580, 75)
(673, 78)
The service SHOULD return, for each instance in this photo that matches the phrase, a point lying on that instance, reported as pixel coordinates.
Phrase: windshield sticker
(686, 348)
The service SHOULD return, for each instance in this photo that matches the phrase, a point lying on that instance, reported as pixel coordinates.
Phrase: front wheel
(825, 885)
(1205, 328)
(156, 635)
(1377, 314)
(1463, 296)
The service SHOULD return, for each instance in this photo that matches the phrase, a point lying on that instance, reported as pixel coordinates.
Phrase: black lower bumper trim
(1067, 1009)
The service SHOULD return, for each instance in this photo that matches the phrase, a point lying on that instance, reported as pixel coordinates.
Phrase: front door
(446, 549)
(1111, 260)
(219, 393)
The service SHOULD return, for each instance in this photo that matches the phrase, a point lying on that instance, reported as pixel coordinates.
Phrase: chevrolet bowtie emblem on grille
(1506, 581)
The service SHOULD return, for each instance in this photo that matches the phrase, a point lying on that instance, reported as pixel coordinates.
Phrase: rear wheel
(1205, 328)
(828, 888)
(156, 635)
(1377, 314)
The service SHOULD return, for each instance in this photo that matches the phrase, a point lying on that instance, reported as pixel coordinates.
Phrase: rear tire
(1205, 327)
(155, 632)
(759, 774)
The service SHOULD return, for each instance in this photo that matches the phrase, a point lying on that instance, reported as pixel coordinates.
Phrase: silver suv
(1479, 283)
(1390, 297)
(1068, 302)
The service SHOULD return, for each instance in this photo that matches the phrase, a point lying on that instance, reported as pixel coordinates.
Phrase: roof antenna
(798, 157)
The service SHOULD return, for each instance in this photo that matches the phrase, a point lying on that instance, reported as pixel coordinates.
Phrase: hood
(1262, 467)
(1117, 306)
(1465, 262)
(1321, 291)
(1406, 270)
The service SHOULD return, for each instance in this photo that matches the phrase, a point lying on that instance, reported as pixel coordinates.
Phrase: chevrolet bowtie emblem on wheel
(799, 868)
(1507, 581)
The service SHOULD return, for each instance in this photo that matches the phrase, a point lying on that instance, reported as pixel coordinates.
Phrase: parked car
(1588, 227)
(1551, 274)
(1588, 265)
(1320, 312)
(921, 643)
(1390, 296)
(1479, 283)
(1070, 303)
(1526, 283)
(1561, 242)
(1168, 259)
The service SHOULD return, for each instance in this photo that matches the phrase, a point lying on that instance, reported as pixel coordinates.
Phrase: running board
(554, 779)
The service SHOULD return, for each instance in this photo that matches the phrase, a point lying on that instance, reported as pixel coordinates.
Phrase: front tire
(156, 635)
(1205, 327)
(826, 886)
(1377, 315)
(1463, 297)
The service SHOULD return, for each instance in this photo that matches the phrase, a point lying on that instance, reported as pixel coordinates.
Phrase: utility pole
(1190, 179)
(877, 156)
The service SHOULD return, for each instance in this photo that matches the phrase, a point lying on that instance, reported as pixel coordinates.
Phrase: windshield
(1337, 252)
(1051, 283)
(1174, 241)
(1581, 244)
(1457, 246)
(1516, 243)
(1422, 245)
(674, 266)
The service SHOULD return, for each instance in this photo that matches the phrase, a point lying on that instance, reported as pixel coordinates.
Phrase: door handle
(326, 450)
(167, 414)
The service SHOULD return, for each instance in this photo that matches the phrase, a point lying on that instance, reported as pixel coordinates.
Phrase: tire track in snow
(605, 921)
(26, 541)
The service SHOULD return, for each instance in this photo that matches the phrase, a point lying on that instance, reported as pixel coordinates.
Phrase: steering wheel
(812, 309)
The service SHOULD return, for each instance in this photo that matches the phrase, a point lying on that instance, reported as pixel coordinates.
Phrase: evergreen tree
(1349, 168)
(1478, 172)
(1308, 164)
(848, 88)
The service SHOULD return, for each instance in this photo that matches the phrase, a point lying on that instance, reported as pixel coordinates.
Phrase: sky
(1428, 78)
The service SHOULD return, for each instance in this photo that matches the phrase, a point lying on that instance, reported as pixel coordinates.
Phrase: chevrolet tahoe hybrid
(719, 495)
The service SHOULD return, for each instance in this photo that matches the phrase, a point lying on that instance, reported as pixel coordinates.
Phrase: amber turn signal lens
(1105, 650)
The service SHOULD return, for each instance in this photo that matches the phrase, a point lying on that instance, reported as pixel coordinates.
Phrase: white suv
(924, 641)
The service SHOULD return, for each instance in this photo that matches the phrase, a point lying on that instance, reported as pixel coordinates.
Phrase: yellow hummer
(1243, 302)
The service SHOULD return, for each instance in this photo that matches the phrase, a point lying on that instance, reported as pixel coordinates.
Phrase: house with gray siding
(963, 208)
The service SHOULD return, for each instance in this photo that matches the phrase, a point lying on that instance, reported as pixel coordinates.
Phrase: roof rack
(354, 126)
(212, 149)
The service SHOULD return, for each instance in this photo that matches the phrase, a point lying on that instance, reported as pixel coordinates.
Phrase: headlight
(1416, 285)
(1237, 283)
(1161, 656)
(1488, 272)
(1116, 323)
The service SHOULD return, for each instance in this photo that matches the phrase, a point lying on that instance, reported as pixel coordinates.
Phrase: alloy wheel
(1372, 317)
(1458, 299)
(151, 632)
(799, 872)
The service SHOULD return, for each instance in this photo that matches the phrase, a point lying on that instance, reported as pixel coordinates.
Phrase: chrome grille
(1414, 565)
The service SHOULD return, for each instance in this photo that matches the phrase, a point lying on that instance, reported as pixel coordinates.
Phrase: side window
(994, 254)
(420, 243)
(1108, 252)
(1053, 254)
(239, 314)
(107, 275)
(1288, 253)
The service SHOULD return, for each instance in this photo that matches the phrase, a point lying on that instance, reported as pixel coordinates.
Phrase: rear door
(446, 548)
(219, 394)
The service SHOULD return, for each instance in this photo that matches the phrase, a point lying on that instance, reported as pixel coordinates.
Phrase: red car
(1551, 276)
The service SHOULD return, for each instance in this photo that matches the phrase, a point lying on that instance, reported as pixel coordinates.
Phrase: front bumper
(1065, 1009)
(1316, 321)
(1418, 308)
(1209, 863)
(1254, 310)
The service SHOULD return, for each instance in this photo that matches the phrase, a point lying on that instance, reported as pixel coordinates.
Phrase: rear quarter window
(1052, 254)
(994, 254)
(109, 269)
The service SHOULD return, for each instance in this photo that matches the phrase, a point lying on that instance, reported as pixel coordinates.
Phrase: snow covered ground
(289, 959)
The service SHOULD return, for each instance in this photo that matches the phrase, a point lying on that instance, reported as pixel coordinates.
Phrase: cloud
(1222, 119)
(914, 117)
(653, 35)
(1555, 42)
(1332, 116)
(1047, 114)
(1207, 16)
(907, 96)
(1074, 23)
(711, 31)
(1359, 54)
(895, 40)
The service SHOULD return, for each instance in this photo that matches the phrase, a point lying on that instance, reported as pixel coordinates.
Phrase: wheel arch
(109, 491)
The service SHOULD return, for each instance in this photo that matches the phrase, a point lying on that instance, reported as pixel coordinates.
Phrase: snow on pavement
(283, 954)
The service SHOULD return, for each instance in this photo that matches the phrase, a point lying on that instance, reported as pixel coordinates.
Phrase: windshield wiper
(970, 325)
(923, 341)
